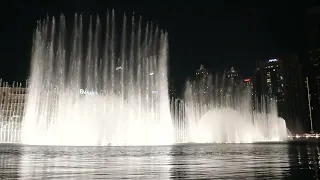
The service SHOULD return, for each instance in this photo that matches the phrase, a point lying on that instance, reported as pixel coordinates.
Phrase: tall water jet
(87, 89)
(218, 112)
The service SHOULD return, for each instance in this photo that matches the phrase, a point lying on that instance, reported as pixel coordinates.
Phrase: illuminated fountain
(179, 121)
(216, 112)
(88, 90)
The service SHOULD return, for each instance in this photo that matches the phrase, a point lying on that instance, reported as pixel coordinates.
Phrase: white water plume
(217, 112)
(85, 90)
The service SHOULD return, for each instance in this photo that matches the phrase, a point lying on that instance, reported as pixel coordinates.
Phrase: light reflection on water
(217, 161)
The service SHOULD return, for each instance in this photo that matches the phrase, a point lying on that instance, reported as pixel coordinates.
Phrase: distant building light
(246, 80)
(273, 60)
(86, 92)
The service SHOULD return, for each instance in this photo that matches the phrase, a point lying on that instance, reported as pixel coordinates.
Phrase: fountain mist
(85, 90)
(216, 112)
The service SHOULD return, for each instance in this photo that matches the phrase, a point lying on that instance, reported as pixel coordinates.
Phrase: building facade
(275, 83)
(313, 74)
(311, 62)
(295, 94)
(202, 75)
(12, 99)
(259, 86)
(12, 106)
(248, 90)
(233, 78)
(282, 79)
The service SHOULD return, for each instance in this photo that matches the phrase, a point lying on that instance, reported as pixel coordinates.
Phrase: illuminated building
(283, 80)
(234, 83)
(201, 77)
(313, 74)
(201, 73)
(275, 83)
(233, 77)
(248, 88)
(247, 84)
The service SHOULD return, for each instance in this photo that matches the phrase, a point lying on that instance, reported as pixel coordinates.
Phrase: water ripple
(215, 161)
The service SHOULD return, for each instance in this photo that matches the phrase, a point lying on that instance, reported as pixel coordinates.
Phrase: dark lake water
(215, 161)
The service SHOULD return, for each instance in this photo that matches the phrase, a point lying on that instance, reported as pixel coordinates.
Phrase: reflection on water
(217, 161)
(304, 161)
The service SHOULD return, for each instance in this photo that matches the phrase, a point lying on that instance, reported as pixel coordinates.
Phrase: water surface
(214, 161)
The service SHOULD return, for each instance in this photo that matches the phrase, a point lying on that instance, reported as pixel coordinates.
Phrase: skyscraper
(248, 89)
(313, 74)
(201, 73)
(233, 77)
(295, 96)
(312, 64)
(282, 79)
(259, 86)
(247, 82)
(275, 83)
(201, 77)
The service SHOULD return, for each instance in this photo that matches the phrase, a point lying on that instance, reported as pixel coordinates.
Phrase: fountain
(178, 116)
(221, 113)
(87, 90)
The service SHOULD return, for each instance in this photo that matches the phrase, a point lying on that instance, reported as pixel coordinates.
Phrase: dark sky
(218, 34)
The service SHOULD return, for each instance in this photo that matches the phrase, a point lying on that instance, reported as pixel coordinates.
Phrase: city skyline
(273, 81)
(217, 39)
(160, 89)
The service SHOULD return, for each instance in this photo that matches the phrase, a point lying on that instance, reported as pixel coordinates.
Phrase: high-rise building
(282, 79)
(12, 101)
(260, 87)
(312, 64)
(234, 82)
(233, 77)
(248, 88)
(313, 74)
(275, 83)
(247, 83)
(295, 96)
(202, 75)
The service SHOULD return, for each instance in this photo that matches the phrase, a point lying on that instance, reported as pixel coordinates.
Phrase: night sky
(218, 34)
